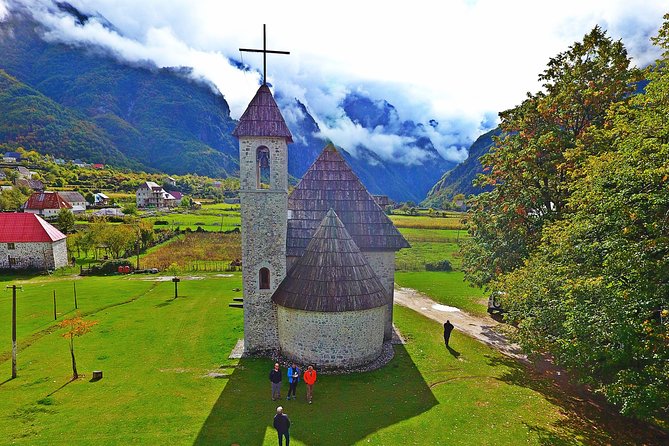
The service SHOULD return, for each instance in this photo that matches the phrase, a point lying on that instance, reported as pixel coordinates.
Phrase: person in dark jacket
(293, 378)
(448, 328)
(282, 425)
(275, 379)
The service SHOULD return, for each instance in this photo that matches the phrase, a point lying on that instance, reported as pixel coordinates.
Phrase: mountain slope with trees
(163, 120)
(460, 179)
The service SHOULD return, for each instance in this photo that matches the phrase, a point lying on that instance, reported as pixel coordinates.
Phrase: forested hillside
(460, 179)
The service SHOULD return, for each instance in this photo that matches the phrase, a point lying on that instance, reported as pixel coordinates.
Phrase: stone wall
(331, 340)
(383, 264)
(39, 255)
(264, 226)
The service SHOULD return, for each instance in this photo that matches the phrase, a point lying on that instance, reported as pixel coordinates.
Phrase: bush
(108, 267)
(442, 265)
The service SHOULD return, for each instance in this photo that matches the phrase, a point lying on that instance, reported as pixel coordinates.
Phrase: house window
(262, 168)
(11, 246)
(264, 279)
(12, 261)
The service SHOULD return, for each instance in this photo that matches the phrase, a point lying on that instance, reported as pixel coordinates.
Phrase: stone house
(29, 242)
(45, 204)
(151, 194)
(282, 237)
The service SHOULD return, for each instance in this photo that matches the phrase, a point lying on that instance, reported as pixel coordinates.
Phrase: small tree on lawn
(75, 327)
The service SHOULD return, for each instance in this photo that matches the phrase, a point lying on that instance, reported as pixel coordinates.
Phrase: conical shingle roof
(262, 117)
(332, 275)
(330, 183)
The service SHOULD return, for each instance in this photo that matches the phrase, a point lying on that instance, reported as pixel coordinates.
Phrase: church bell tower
(263, 172)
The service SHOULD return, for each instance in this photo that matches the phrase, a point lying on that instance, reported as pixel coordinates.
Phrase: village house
(178, 196)
(101, 199)
(76, 200)
(151, 194)
(45, 204)
(35, 185)
(28, 242)
(24, 173)
(11, 157)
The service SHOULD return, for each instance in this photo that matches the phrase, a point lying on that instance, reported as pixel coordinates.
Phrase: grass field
(446, 288)
(212, 218)
(157, 355)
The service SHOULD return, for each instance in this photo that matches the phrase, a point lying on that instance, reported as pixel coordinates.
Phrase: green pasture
(212, 217)
(446, 288)
(168, 379)
(429, 246)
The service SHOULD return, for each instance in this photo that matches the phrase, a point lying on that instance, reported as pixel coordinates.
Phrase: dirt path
(479, 328)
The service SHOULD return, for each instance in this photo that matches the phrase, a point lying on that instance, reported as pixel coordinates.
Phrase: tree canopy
(575, 234)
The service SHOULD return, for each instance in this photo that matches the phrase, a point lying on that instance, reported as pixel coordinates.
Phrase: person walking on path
(282, 425)
(448, 328)
(293, 378)
(310, 380)
(275, 379)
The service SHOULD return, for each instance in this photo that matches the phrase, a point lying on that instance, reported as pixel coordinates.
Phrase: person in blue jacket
(293, 378)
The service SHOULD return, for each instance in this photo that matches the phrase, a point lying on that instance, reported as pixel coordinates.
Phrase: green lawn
(157, 354)
(446, 288)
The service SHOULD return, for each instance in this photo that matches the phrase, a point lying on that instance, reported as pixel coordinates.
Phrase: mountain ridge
(162, 119)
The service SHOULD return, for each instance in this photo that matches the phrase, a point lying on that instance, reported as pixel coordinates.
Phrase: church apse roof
(262, 117)
(332, 275)
(330, 183)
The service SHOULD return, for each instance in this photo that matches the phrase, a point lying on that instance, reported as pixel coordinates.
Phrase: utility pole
(14, 287)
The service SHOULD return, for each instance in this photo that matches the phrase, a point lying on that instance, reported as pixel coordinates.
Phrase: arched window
(262, 168)
(264, 279)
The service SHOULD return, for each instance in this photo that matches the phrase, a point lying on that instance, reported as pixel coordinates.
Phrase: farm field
(211, 218)
(159, 357)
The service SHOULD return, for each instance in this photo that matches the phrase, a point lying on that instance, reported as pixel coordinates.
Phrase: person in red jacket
(310, 380)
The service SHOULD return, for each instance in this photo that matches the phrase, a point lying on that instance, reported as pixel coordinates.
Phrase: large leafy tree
(594, 292)
(528, 167)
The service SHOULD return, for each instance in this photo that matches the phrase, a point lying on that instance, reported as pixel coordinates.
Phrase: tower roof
(262, 117)
(332, 275)
(330, 183)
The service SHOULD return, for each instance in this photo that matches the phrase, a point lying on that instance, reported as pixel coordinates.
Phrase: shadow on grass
(345, 409)
(61, 387)
(588, 418)
(453, 352)
(6, 381)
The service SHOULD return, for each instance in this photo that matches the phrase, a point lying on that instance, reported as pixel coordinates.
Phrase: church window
(262, 168)
(264, 279)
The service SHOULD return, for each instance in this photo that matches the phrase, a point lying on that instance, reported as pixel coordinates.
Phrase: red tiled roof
(24, 228)
(46, 200)
(330, 183)
(262, 118)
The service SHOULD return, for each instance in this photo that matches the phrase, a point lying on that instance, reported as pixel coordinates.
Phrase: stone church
(318, 263)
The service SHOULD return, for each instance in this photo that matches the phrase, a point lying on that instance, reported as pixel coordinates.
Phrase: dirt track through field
(479, 328)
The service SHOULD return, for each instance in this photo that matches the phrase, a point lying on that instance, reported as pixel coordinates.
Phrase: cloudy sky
(459, 62)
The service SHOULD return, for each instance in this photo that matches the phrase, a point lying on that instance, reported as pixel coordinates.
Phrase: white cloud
(459, 62)
(3, 10)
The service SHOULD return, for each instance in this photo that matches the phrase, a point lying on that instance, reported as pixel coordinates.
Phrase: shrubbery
(442, 265)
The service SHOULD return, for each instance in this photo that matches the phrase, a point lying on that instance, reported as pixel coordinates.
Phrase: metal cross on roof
(264, 52)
